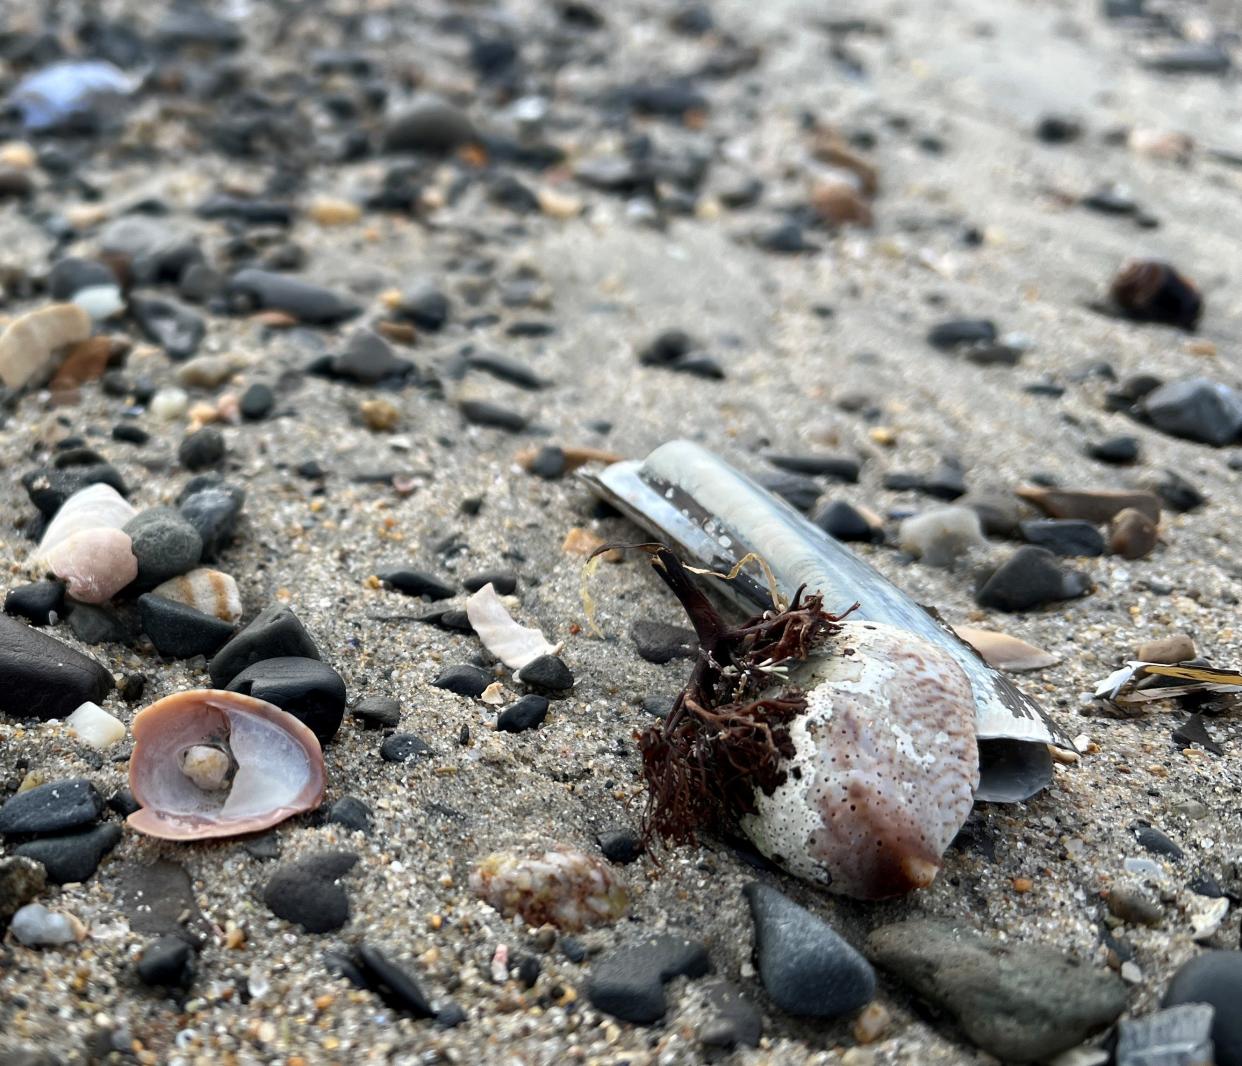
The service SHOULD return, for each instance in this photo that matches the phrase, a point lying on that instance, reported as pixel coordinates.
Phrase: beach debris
(1121, 686)
(1005, 652)
(514, 645)
(208, 763)
(562, 887)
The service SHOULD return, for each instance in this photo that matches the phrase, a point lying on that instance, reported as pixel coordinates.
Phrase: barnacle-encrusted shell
(562, 887)
(885, 766)
(275, 763)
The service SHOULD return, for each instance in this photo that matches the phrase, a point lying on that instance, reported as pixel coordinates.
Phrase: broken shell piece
(97, 506)
(562, 887)
(94, 564)
(211, 591)
(29, 343)
(1005, 652)
(208, 763)
(514, 645)
(95, 726)
(884, 769)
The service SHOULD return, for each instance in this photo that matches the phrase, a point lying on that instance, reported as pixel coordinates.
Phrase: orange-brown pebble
(872, 1023)
(1131, 534)
(1022, 885)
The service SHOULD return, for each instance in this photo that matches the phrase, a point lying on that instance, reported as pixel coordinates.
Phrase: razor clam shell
(715, 515)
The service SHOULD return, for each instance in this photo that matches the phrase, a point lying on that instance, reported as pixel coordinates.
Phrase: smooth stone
(368, 359)
(417, 583)
(660, 643)
(942, 536)
(72, 274)
(481, 413)
(98, 625)
(130, 433)
(1206, 57)
(41, 603)
(1175, 648)
(464, 679)
(213, 512)
(1064, 536)
(29, 343)
(308, 689)
(526, 713)
(179, 631)
(1132, 535)
(206, 371)
(48, 487)
(35, 926)
(1130, 905)
(506, 369)
(257, 402)
(805, 966)
(1176, 1036)
(998, 512)
(203, 448)
(1096, 507)
(401, 747)
(94, 726)
(165, 543)
(1030, 578)
(1177, 493)
(959, 332)
(622, 846)
(211, 591)
(629, 983)
(392, 983)
(549, 462)
(428, 124)
(1020, 1002)
(837, 467)
(94, 564)
(352, 813)
(1116, 450)
(844, 522)
(426, 305)
(1196, 409)
(548, 673)
(122, 802)
(21, 880)
(42, 678)
(307, 891)
(51, 808)
(173, 326)
(377, 712)
(73, 856)
(264, 290)
(167, 963)
(1214, 978)
(797, 490)
(275, 633)
(505, 582)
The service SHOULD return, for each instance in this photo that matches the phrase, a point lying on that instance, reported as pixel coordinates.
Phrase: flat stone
(368, 359)
(98, 625)
(178, 631)
(253, 289)
(401, 747)
(49, 487)
(1098, 506)
(805, 966)
(629, 983)
(392, 983)
(307, 891)
(481, 413)
(417, 583)
(42, 678)
(73, 856)
(738, 1022)
(51, 808)
(505, 582)
(274, 633)
(1197, 409)
(158, 898)
(961, 332)
(377, 712)
(178, 329)
(1064, 536)
(308, 689)
(1175, 648)
(836, 467)
(464, 679)
(1021, 1002)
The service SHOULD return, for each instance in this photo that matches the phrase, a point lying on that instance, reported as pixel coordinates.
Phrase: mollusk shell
(562, 887)
(94, 507)
(885, 766)
(211, 591)
(279, 766)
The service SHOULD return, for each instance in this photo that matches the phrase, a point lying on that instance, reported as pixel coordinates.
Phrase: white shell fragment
(1207, 914)
(514, 645)
(209, 763)
(211, 591)
(36, 926)
(94, 507)
(95, 726)
(885, 767)
(1005, 652)
(28, 344)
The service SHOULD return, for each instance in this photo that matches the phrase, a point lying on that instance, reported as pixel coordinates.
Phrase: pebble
(547, 673)
(392, 983)
(72, 274)
(169, 403)
(801, 493)
(213, 511)
(73, 856)
(30, 342)
(274, 633)
(253, 289)
(1148, 290)
(1214, 978)
(942, 536)
(401, 747)
(1020, 1003)
(41, 603)
(308, 689)
(805, 966)
(961, 333)
(428, 124)
(526, 713)
(203, 448)
(946, 482)
(1130, 905)
(426, 305)
(1132, 535)
(167, 963)
(94, 726)
(464, 679)
(1064, 536)
(1177, 493)
(206, 371)
(480, 413)
(179, 631)
(94, 564)
(380, 415)
(165, 544)
(1175, 648)
(368, 359)
(21, 880)
(629, 983)
(49, 488)
(36, 926)
(738, 1022)
(307, 891)
(1176, 1036)
(1118, 451)
(660, 643)
(97, 625)
(377, 712)
(505, 582)
(53, 807)
(177, 329)
(845, 522)
(257, 402)
(622, 846)
(42, 678)
(352, 813)
(1030, 578)
(210, 591)
(1097, 507)
(417, 583)
(1197, 409)
(130, 433)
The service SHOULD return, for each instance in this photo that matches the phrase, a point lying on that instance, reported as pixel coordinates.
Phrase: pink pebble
(94, 564)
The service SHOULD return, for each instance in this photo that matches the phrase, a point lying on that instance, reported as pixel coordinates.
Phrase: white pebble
(100, 301)
(35, 926)
(95, 726)
(942, 536)
(169, 403)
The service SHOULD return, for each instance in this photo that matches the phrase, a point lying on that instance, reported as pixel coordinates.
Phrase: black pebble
(837, 467)
(53, 807)
(306, 891)
(213, 511)
(503, 581)
(526, 713)
(1215, 978)
(253, 290)
(393, 984)
(481, 413)
(416, 583)
(549, 462)
(167, 963)
(308, 689)
(547, 673)
(73, 856)
(401, 747)
(839, 519)
(257, 402)
(960, 332)
(659, 642)
(451, 1015)
(378, 712)
(352, 813)
(42, 678)
(178, 631)
(1064, 536)
(1120, 451)
(130, 432)
(97, 625)
(465, 680)
(621, 846)
(1030, 578)
(49, 487)
(274, 633)
(123, 803)
(629, 983)
(1150, 838)
(41, 603)
(202, 449)
(528, 970)
(173, 326)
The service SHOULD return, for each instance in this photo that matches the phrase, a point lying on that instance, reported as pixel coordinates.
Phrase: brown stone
(838, 203)
(84, 361)
(1175, 648)
(1131, 534)
(1091, 506)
